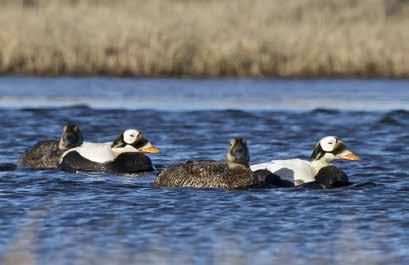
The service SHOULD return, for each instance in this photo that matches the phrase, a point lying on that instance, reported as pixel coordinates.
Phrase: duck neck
(235, 165)
(318, 164)
(61, 145)
(116, 151)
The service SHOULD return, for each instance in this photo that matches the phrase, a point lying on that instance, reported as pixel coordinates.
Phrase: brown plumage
(46, 154)
(205, 174)
(232, 174)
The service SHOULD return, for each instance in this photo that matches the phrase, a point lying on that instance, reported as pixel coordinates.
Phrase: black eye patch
(339, 148)
(140, 142)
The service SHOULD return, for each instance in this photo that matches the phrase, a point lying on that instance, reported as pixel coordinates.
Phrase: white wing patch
(293, 170)
(96, 152)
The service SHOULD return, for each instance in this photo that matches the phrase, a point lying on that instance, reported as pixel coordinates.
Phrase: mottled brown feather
(206, 174)
(43, 155)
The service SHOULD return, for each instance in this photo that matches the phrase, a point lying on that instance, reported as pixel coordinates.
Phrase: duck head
(71, 137)
(133, 140)
(332, 148)
(238, 153)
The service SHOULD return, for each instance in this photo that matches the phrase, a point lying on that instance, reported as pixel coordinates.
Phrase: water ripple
(62, 217)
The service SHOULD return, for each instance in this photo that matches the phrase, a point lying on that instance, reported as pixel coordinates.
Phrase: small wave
(395, 117)
(387, 120)
(401, 112)
(235, 113)
(325, 111)
(7, 167)
(363, 185)
(52, 108)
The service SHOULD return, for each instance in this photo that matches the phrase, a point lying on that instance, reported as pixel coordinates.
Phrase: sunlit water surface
(53, 217)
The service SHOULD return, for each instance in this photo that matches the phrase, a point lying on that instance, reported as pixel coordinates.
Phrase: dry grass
(205, 37)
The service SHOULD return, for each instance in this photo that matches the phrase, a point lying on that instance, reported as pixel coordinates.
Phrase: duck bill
(149, 149)
(348, 155)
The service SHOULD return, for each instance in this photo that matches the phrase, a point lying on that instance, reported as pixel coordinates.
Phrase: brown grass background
(365, 38)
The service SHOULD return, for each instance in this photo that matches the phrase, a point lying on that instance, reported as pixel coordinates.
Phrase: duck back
(43, 155)
(205, 174)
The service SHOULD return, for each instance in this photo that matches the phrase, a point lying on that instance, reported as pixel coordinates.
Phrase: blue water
(53, 217)
(205, 94)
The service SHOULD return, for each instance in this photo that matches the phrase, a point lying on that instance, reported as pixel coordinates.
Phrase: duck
(318, 170)
(125, 155)
(233, 173)
(46, 154)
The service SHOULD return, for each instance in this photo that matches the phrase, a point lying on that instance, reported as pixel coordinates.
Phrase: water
(53, 217)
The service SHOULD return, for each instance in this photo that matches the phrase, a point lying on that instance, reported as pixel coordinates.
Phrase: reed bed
(200, 38)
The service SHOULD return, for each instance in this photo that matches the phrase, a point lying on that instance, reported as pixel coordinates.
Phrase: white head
(132, 140)
(130, 136)
(331, 148)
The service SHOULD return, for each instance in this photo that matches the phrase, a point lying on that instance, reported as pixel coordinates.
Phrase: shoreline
(203, 77)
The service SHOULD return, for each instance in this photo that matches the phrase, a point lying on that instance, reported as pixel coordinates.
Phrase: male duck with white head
(124, 155)
(298, 171)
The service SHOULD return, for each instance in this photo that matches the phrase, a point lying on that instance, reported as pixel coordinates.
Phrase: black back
(131, 162)
(266, 178)
(332, 177)
(328, 177)
(124, 164)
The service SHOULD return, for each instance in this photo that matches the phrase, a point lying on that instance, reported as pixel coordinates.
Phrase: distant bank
(307, 38)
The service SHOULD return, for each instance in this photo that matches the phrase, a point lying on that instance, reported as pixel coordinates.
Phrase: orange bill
(348, 155)
(150, 149)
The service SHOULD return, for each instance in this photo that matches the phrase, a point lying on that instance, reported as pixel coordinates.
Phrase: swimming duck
(124, 155)
(46, 154)
(319, 169)
(234, 173)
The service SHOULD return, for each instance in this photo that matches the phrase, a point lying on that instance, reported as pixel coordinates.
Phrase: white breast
(294, 170)
(96, 152)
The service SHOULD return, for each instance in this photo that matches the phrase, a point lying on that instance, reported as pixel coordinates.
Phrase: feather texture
(206, 174)
(43, 155)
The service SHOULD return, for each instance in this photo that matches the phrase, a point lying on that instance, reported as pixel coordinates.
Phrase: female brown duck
(46, 154)
(234, 173)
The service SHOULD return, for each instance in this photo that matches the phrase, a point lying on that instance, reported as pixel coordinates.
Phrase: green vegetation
(366, 38)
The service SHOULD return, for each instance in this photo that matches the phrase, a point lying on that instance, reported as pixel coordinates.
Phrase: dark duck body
(123, 156)
(126, 163)
(329, 177)
(234, 173)
(46, 154)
